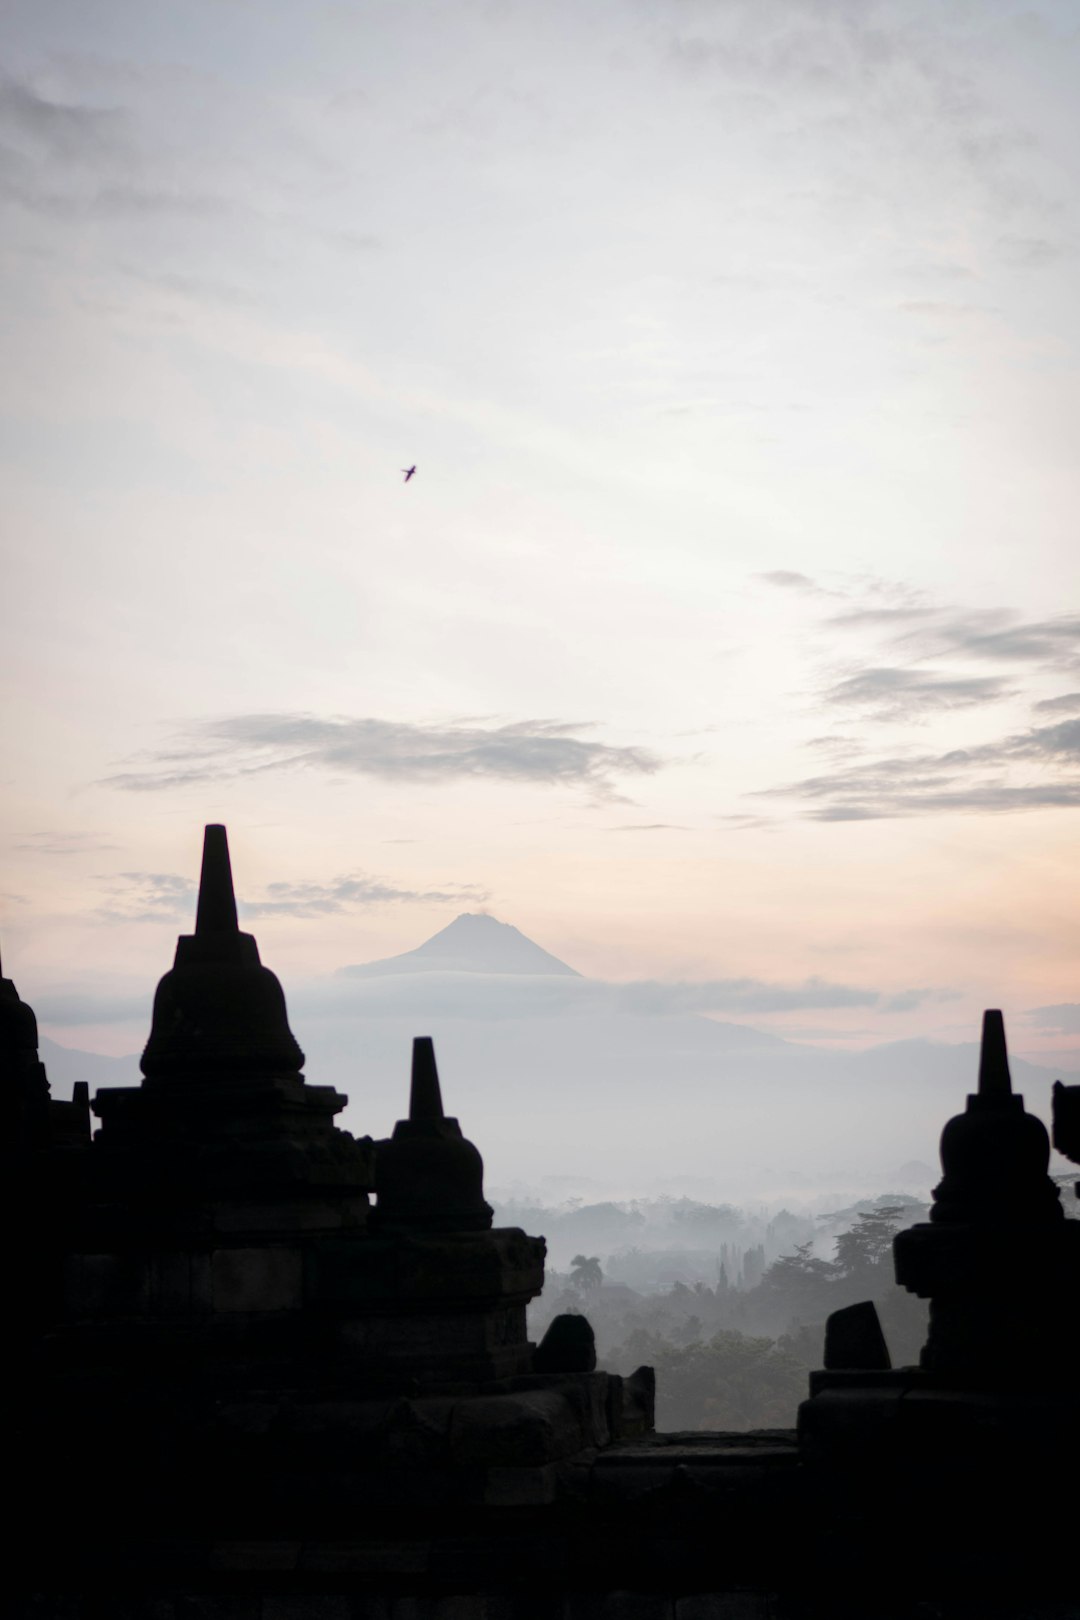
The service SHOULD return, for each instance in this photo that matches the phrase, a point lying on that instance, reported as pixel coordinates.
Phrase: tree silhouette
(585, 1272)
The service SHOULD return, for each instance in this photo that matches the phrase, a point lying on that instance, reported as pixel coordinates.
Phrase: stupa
(278, 1372)
(244, 1337)
(986, 1429)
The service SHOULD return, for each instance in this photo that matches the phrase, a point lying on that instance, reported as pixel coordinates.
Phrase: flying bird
(408, 471)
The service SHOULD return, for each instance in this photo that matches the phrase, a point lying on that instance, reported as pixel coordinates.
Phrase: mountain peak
(473, 943)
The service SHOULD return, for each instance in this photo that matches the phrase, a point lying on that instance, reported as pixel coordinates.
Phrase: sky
(727, 639)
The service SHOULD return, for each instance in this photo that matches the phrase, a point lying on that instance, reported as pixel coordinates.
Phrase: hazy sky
(730, 628)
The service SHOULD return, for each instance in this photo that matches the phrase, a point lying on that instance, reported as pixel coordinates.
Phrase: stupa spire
(425, 1097)
(217, 900)
(994, 1078)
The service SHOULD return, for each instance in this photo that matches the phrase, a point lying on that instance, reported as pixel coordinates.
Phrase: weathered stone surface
(264, 1279)
(521, 1430)
(619, 1606)
(106, 1285)
(726, 1606)
(521, 1487)
(307, 1606)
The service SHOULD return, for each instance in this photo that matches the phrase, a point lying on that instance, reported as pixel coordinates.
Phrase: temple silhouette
(264, 1370)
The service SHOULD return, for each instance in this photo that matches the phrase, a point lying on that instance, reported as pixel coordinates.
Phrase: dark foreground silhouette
(263, 1369)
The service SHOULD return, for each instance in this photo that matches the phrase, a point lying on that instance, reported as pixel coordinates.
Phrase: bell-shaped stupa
(219, 1012)
(429, 1176)
(997, 1260)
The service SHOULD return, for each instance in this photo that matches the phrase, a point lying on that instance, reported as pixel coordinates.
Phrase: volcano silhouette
(472, 943)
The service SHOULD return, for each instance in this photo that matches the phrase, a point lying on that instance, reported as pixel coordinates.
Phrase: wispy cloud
(1003, 635)
(61, 843)
(891, 693)
(937, 309)
(66, 132)
(66, 1008)
(1030, 252)
(1061, 1018)
(787, 580)
(353, 893)
(167, 897)
(880, 618)
(650, 826)
(500, 996)
(545, 752)
(960, 780)
(147, 897)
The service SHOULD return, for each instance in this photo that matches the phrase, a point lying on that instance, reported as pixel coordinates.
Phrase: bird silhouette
(408, 471)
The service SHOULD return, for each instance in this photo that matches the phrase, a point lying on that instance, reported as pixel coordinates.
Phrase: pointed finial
(425, 1098)
(994, 1078)
(217, 902)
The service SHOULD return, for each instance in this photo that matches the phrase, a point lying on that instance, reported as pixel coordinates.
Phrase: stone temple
(261, 1370)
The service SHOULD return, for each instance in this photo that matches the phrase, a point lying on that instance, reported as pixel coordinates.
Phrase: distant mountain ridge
(564, 1079)
(472, 943)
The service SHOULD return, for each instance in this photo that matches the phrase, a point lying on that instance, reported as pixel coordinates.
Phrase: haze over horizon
(726, 642)
(579, 1088)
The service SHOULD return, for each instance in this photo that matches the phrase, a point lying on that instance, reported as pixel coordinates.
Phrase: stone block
(136, 1607)
(453, 1606)
(521, 1487)
(521, 1430)
(417, 1268)
(257, 1279)
(106, 1285)
(525, 1605)
(261, 1556)
(725, 1606)
(306, 1606)
(217, 1606)
(202, 1284)
(619, 1606)
(170, 1284)
(392, 1558)
(414, 1434)
(371, 1606)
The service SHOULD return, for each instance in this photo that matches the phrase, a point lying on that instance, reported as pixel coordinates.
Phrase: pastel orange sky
(729, 631)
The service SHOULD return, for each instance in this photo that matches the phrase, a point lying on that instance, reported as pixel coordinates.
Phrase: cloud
(999, 634)
(352, 893)
(1061, 1018)
(931, 629)
(503, 996)
(875, 618)
(142, 202)
(1069, 703)
(739, 996)
(148, 897)
(787, 580)
(64, 132)
(875, 80)
(960, 780)
(59, 843)
(650, 826)
(1030, 252)
(943, 311)
(901, 693)
(546, 752)
(63, 1008)
(164, 896)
